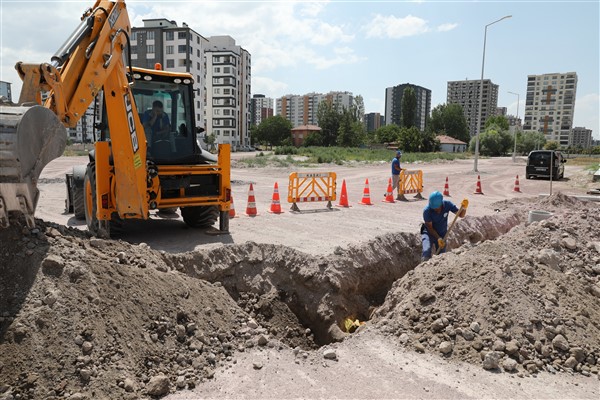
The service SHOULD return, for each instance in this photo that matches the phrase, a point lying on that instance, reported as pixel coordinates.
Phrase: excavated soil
(82, 317)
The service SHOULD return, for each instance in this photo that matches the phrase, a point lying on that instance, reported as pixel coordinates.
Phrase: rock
(87, 347)
(252, 324)
(419, 347)
(98, 243)
(546, 351)
(180, 382)
(527, 269)
(445, 347)
(158, 386)
(578, 353)
(499, 345)
(85, 374)
(509, 365)
(404, 338)
(569, 243)
(571, 362)
(330, 354)
(262, 340)
(491, 360)
(53, 265)
(532, 368)
(128, 385)
(468, 335)
(594, 289)
(437, 325)
(180, 331)
(559, 342)
(512, 347)
(550, 258)
(475, 327)
(257, 365)
(426, 297)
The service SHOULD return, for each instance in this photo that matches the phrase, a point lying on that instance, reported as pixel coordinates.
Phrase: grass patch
(584, 161)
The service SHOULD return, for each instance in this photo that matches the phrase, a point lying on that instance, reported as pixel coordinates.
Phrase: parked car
(539, 162)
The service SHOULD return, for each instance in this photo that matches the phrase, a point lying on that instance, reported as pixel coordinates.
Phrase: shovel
(463, 206)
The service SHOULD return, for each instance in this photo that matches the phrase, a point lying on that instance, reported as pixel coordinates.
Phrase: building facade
(466, 93)
(302, 110)
(581, 137)
(393, 104)
(261, 107)
(228, 74)
(374, 121)
(550, 105)
(6, 90)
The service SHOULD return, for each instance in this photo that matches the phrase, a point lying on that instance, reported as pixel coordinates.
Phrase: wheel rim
(89, 201)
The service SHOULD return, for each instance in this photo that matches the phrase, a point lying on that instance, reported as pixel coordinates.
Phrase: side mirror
(199, 129)
(564, 160)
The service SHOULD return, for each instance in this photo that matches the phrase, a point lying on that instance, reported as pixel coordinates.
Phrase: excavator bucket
(30, 137)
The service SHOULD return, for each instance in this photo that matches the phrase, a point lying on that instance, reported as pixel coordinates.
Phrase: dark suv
(538, 164)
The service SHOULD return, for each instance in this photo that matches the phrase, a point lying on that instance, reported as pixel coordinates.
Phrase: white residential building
(302, 110)
(550, 105)
(261, 107)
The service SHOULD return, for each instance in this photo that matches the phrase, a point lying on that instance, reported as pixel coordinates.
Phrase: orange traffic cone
(275, 204)
(517, 188)
(344, 196)
(251, 210)
(389, 195)
(478, 187)
(231, 209)
(366, 199)
(446, 188)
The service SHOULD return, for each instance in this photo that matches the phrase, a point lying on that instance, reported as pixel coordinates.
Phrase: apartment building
(393, 104)
(228, 86)
(550, 105)
(302, 110)
(5, 90)
(466, 93)
(261, 107)
(581, 137)
(373, 121)
(176, 48)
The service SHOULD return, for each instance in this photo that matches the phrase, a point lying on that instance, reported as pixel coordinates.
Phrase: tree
(450, 120)
(351, 132)
(210, 141)
(429, 143)
(274, 130)
(410, 139)
(499, 120)
(358, 108)
(329, 121)
(530, 141)
(409, 107)
(313, 139)
(493, 142)
(387, 134)
(551, 145)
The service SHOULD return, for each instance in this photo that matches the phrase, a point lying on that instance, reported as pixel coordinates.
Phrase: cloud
(394, 27)
(446, 27)
(267, 86)
(586, 112)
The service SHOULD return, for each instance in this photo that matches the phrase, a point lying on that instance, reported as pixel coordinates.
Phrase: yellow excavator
(134, 168)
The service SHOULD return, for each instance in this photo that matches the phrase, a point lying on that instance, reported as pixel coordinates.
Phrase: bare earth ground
(512, 313)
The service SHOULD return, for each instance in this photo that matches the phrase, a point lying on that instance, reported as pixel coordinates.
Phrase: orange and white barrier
(311, 187)
(410, 182)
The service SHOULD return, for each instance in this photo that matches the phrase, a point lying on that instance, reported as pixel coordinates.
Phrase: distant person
(396, 173)
(435, 226)
(156, 123)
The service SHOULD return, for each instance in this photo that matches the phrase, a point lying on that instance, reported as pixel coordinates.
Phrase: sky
(363, 47)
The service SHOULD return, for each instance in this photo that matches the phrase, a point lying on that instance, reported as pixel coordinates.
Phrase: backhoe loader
(131, 170)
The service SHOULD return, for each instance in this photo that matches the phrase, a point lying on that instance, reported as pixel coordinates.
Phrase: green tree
(410, 139)
(429, 143)
(387, 134)
(450, 120)
(493, 142)
(329, 121)
(274, 130)
(210, 141)
(529, 141)
(551, 145)
(409, 108)
(351, 132)
(313, 139)
(358, 108)
(499, 120)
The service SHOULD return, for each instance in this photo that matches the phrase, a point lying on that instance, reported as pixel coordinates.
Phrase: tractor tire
(101, 229)
(78, 202)
(201, 216)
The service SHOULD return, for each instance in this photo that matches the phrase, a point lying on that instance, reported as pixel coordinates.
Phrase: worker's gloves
(441, 243)
(464, 204)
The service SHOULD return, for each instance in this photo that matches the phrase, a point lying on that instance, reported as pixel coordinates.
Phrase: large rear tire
(78, 202)
(201, 216)
(102, 229)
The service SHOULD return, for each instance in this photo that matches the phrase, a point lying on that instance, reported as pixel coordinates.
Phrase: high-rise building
(5, 90)
(393, 104)
(501, 111)
(228, 87)
(176, 48)
(581, 137)
(374, 121)
(550, 105)
(302, 110)
(466, 93)
(261, 107)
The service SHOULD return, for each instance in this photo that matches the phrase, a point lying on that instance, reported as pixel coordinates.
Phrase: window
(181, 35)
(217, 70)
(198, 54)
(226, 91)
(150, 35)
(181, 48)
(226, 70)
(198, 67)
(170, 63)
(217, 91)
(170, 35)
(150, 49)
(170, 49)
(134, 36)
(133, 49)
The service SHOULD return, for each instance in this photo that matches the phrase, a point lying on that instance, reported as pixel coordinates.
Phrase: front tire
(200, 216)
(101, 229)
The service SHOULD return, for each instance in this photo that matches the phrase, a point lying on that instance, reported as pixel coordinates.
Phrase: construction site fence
(311, 187)
(411, 182)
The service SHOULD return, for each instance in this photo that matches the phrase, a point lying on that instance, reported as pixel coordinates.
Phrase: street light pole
(481, 93)
(516, 122)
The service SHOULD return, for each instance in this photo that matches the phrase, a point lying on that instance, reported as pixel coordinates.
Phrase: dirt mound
(524, 302)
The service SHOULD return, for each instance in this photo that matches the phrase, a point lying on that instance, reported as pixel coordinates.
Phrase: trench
(302, 299)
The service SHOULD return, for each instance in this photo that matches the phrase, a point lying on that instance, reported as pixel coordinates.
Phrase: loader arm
(31, 137)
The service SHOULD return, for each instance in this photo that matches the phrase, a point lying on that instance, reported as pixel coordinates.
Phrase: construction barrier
(311, 187)
(410, 182)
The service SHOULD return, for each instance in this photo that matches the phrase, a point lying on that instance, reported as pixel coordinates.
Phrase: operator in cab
(156, 123)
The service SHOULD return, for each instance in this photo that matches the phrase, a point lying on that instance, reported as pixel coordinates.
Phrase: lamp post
(481, 94)
(516, 122)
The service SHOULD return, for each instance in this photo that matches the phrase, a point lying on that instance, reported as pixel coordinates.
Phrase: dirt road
(319, 233)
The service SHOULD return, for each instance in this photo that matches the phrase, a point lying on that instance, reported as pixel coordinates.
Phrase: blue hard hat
(398, 153)
(435, 199)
